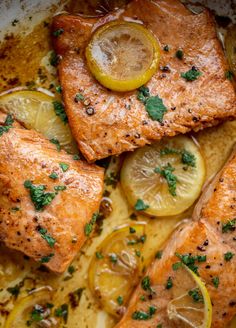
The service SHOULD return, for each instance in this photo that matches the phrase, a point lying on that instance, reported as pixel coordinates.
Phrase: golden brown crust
(120, 122)
(26, 155)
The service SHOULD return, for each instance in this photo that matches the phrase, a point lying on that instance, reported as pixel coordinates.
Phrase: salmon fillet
(120, 122)
(206, 236)
(51, 234)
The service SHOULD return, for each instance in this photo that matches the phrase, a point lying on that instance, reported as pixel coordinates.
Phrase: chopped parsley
(76, 157)
(153, 104)
(229, 226)
(58, 32)
(54, 59)
(132, 230)
(7, 125)
(56, 142)
(59, 89)
(39, 197)
(15, 291)
(62, 312)
(79, 97)
(171, 179)
(228, 256)
(99, 255)
(191, 75)
(53, 176)
(176, 266)
(89, 226)
(112, 179)
(190, 260)
(158, 255)
(141, 315)
(113, 258)
(36, 315)
(137, 253)
(140, 205)
(64, 166)
(71, 269)
(60, 111)
(169, 283)
(49, 239)
(59, 188)
(15, 209)
(196, 295)
(187, 157)
(179, 54)
(229, 75)
(120, 300)
(146, 284)
(215, 281)
(159, 325)
(46, 259)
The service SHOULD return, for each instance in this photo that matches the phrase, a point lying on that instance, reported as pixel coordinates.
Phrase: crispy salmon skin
(120, 122)
(212, 234)
(46, 197)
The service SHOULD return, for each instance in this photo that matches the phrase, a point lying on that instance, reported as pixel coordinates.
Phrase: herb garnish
(62, 312)
(64, 166)
(141, 315)
(196, 295)
(229, 226)
(191, 75)
(112, 179)
(176, 266)
(215, 281)
(56, 142)
(190, 260)
(187, 157)
(120, 300)
(79, 97)
(158, 255)
(7, 125)
(49, 239)
(59, 188)
(132, 230)
(171, 179)
(228, 256)
(46, 259)
(140, 205)
(54, 59)
(169, 283)
(39, 197)
(15, 291)
(113, 258)
(60, 111)
(179, 54)
(153, 104)
(89, 226)
(146, 285)
(36, 315)
(53, 176)
(229, 75)
(99, 255)
(58, 32)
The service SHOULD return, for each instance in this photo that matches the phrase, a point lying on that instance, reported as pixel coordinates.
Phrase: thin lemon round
(35, 110)
(191, 303)
(114, 271)
(20, 316)
(166, 176)
(123, 56)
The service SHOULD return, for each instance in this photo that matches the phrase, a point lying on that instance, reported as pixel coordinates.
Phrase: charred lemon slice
(164, 179)
(122, 56)
(191, 303)
(32, 311)
(36, 111)
(115, 268)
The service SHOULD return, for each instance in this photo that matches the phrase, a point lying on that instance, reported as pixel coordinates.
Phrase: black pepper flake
(232, 303)
(90, 111)
(165, 68)
(208, 266)
(173, 108)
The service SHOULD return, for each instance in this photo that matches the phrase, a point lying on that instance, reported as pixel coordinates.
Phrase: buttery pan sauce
(25, 61)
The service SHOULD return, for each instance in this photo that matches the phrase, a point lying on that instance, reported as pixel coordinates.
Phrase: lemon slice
(115, 268)
(35, 110)
(164, 179)
(123, 56)
(32, 310)
(230, 46)
(191, 303)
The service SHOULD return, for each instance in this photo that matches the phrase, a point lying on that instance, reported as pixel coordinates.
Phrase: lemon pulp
(144, 176)
(122, 56)
(115, 268)
(35, 110)
(191, 303)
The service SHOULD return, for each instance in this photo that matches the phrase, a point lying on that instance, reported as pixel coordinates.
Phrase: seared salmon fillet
(120, 122)
(212, 235)
(46, 197)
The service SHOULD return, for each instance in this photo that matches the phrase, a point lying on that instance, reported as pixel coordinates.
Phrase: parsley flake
(64, 166)
(46, 259)
(196, 295)
(60, 111)
(140, 205)
(229, 226)
(153, 104)
(53, 176)
(99, 255)
(141, 315)
(169, 283)
(158, 255)
(191, 75)
(179, 54)
(120, 300)
(56, 142)
(7, 125)
(229, 75)
(58, 32)
(89, 226)
(228, 256)
(171, 179)
(49, 239)
(215, 281)
(62, 312)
